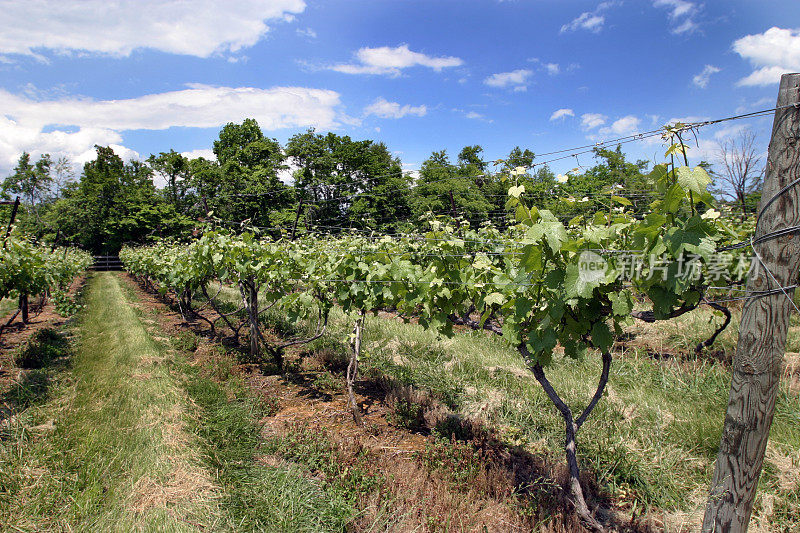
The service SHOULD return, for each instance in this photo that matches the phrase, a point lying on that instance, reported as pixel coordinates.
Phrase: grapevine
(28, 269)
(526, 284)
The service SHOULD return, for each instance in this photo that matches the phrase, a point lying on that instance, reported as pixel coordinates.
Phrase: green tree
(174, 168)
(113, 204)
(451, 189)
(32, 182)
(613, 175)
(348, 183)
(496, 187)
(205, 182)
(247, 186)
(470, 162)
(519, 158)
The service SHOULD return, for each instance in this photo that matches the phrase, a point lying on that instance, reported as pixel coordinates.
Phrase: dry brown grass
(791, 371)
(182, 485)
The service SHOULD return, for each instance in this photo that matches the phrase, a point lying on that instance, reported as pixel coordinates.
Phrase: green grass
(115, 431)
(117, 456)
(651, 441)
(258, 497)
(7, 305)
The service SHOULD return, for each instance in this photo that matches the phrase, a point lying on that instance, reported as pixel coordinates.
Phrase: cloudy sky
(148, 75)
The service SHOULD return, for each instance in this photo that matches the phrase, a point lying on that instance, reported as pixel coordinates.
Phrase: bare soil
(513, 490)
(17, 334)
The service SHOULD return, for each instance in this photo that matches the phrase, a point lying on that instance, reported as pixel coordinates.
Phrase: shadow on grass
(46, 352)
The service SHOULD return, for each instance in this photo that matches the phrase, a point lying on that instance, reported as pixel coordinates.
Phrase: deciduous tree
(741, 174)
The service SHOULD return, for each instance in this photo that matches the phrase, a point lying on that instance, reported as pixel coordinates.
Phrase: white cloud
(188, 27)
(687, 26)
(626, 125)
(688, 119)
(772, 53)
(761, 103)
(390, 61)
(72, 125)
(592, 120)
(592, 21)
(308, 33)
(199, 106)
(552, 68)
(286, 175)
(707, 147)
(764, 76)
(205, 153)
(411, 169)
(585, 21)
(385, 109)
(679, 8)
(728, 132)
(702, 79)
(472, 114)
(681, 15)
(561, 113)
(517, 79)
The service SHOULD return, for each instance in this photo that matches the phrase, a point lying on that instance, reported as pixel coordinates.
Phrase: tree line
(334, 183)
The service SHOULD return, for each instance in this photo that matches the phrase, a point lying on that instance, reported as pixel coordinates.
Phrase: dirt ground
(514, 490)
(17, 333)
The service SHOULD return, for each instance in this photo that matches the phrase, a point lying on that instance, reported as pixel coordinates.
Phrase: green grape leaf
(621, 303)
(602, 339)
(673, 198)
(696, 180)
(531, 259)
(578, 285)
(515, 192)
(658, 173)
(621, 200)
(523, 307)
(494, 298)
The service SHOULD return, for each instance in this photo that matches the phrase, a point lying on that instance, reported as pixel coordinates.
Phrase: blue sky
(149, 75)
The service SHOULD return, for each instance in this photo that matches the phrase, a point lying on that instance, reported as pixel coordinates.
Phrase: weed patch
(350, 477)
(186, 341)
(327, 383)
(64, 304)
(459, 461)
(42, 349)
(258, 496)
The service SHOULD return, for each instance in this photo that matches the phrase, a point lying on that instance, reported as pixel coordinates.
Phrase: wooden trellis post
(757, 364)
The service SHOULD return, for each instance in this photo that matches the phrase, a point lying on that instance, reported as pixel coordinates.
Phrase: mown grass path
(119, 432)
(109, 451)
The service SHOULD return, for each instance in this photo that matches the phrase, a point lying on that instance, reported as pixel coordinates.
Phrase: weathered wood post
(252, 311)
(297, 218)
(23, 306)
(762, 332)
(352, 367)
(11, 220)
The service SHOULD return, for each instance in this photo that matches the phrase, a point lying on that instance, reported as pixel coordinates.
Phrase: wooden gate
(103, 263)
